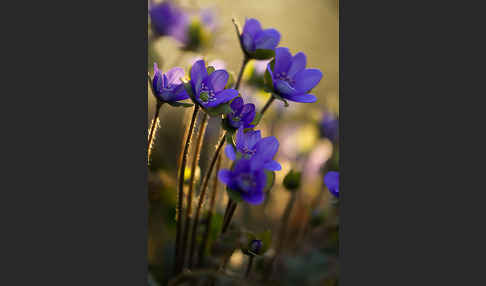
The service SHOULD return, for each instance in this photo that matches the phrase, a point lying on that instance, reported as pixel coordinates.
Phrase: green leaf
(210, 69)
(234, 195)
(181, 104)
(263, 54)
(219, 110)
(270, 180)
(268, 81)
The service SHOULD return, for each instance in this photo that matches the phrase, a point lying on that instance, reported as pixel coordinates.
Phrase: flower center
(248, 153)
(283, 76)
(206, 94)
(246, 182)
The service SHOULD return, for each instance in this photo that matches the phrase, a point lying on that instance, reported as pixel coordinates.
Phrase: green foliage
(219, 110)
(262, 54)
(270, 180)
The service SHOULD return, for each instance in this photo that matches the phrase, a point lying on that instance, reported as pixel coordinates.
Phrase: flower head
(167, 18)
(255, 246)
(247, 178)
(291, 80)
(330, 127)
(168, 87)
(254, 38)
(331, 180)
(251, 145)
(242, 115)
(209, 89)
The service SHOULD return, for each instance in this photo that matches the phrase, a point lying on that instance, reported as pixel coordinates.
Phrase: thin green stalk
(192, 182)
(180, 194)
(202, 248)
(203, 194)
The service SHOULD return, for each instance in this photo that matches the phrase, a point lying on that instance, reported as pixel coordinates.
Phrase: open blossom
(331, 179)
(251, 145)
(247, 179)
(242, 115)
(168, 87)
(291, 80)
(255, 38)
(167, 19)
(209, 90)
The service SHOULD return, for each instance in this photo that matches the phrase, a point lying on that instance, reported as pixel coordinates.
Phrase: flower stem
(248, 269)
(231, 211)
(180, 195)
(240, 75)
(282, 234)
(202, 248)
(267, 105)
(153, 128)
(192, 182)
(202, 196)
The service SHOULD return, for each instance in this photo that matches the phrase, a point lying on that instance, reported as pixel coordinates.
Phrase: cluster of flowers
(190, 28)
(286, 78)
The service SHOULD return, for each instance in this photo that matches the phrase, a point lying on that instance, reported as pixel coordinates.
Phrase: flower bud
(292, 180)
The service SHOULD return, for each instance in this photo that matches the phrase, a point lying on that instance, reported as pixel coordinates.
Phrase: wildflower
(209, 90)
(247, 179)
(167, 18)
(254, 38)
(250, 145)
(168, 87)
(330, 127)
(290, 79)
(331, 179)
(197, 32)
(242, 115)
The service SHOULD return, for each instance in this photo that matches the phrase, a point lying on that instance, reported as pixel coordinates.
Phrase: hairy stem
(240, 75)
(248, 269)
(282, 234)
(227, 222)
(192, 182)
(153, 128)
(180, 195)
(202, 248)
(203, 194)
(267, 105)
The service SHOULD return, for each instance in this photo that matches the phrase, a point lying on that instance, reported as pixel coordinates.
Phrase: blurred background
(307, 133)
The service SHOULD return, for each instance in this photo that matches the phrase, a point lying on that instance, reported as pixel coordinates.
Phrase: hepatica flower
(246, 179)
(251, 145)
(255, 41)
(242, 115)
(166, 18)
(330, 127)
(209, 89)
(168, 87)
(290, 79)
(331, 180)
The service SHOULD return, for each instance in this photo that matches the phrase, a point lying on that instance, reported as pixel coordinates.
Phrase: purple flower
(168, 87)
(242, 115)
(247, 178)
(255, 246)
(254, 38)
(331, 180)
(330, 127)
(166, 18)
(209, 90)
(250, 145)
(291, 80)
